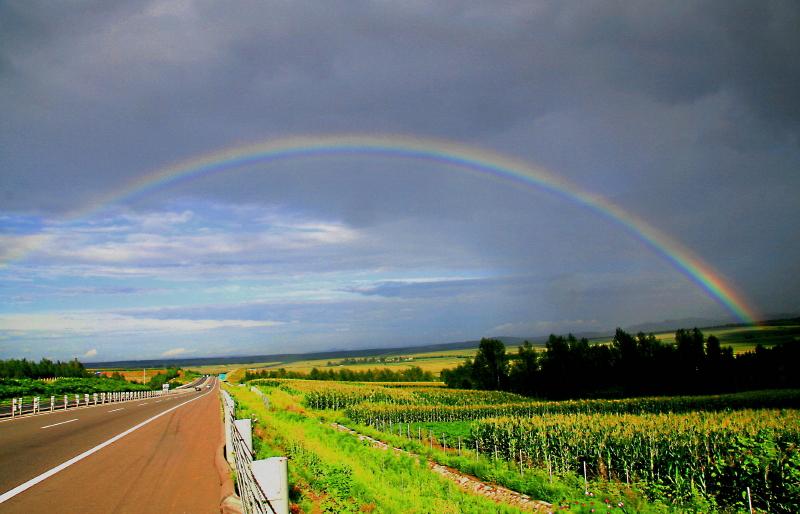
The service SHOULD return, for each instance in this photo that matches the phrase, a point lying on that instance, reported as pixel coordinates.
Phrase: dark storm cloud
(686, 114)
(457, 69)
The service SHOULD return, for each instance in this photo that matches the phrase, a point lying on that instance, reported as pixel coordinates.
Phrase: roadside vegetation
(23, 378)
(19, 387)
(384, 481)
(332, 471)
(652, 454)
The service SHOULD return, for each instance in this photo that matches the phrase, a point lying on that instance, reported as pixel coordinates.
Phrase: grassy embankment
(334, 472)
(701, 456)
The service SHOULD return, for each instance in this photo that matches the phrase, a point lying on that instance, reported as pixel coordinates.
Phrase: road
(156, 455)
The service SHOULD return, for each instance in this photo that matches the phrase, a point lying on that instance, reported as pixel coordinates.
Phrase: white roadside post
(86, 400)
(228, 428)
(52, 403)
(65, 402)
(272, 475)
(245, 428)
(13, 406)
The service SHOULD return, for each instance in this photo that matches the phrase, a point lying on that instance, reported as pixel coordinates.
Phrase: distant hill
(284, 357)
(291, 357)
(539, 340)
(670, 325)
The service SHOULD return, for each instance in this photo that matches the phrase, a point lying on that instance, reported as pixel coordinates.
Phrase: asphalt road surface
(155, 455)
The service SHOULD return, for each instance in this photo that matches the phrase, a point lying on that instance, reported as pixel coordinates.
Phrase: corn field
(713, 455)
(338, 395)
(677, 448)
(371, 412)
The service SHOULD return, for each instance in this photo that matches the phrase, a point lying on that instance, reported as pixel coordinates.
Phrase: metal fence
(22, 406)
(262, 484)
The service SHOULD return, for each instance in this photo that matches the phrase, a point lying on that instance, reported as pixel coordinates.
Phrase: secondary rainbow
(456, 156)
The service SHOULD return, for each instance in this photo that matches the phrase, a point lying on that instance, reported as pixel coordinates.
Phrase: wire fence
(262, 484)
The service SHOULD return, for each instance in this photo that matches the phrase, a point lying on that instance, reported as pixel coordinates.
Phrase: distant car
(198, 388)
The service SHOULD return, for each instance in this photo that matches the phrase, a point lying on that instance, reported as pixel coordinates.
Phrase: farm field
(656, 454)
(427, 361)
(432, 364)
(740, 338)
(141, 375)
(332, 470)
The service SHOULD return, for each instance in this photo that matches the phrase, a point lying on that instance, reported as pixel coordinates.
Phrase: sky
(684, 115)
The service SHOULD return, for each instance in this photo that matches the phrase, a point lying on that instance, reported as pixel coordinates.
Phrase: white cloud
(81, 322)
(165, 237)
(91, 353)
(14, 247)
(174, 351)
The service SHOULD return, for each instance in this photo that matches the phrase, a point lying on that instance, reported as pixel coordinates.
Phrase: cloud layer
(686, 115)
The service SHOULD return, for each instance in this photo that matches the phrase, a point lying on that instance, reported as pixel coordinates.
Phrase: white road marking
(54, 424)
(115, 410)
(145, 403)
(47, 474)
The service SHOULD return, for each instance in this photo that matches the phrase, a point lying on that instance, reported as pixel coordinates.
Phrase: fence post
(65, 402)
(52, 403)
(13, 406)
(272, 476)
(86, 399)
(245, 428)
(228, 427)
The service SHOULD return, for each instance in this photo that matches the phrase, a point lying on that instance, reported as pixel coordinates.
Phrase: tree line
(630, 366)
(411, 374)
(45, 368)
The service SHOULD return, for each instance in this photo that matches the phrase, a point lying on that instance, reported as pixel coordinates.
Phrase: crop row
(370, 411)
(337, 395)
(714, 455)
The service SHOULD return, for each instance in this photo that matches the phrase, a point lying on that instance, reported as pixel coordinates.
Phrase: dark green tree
(524, 371)
(490, 367)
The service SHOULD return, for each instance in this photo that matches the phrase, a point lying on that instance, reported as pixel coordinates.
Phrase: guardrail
(21, 406)
(263, 485)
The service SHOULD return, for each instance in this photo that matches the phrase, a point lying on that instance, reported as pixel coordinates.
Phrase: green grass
(331, 471)
(566, 491)
(343, 474)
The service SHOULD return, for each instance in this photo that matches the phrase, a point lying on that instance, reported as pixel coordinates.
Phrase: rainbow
(465, 158)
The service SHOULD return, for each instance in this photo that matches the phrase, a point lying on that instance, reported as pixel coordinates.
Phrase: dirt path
(468, 482)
